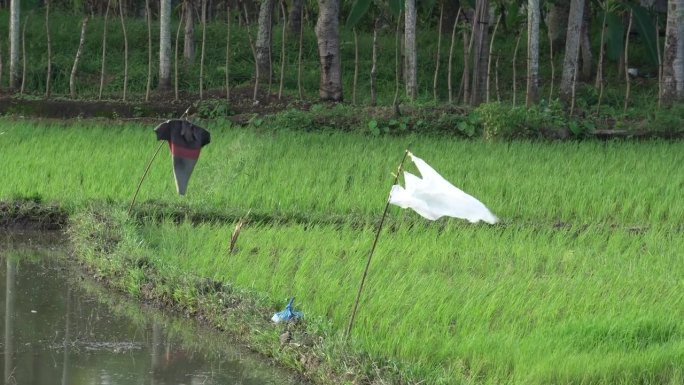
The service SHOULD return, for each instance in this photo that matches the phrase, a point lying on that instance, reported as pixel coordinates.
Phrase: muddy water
(62, 329)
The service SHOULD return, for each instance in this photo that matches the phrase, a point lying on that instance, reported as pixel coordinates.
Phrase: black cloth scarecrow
(185, 141)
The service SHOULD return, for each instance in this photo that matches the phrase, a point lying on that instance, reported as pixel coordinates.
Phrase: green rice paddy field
(582, 282)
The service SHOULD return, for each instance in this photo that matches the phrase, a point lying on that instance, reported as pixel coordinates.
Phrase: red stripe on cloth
(183, 152)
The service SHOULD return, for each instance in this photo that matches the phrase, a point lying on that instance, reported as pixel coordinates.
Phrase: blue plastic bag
(288, 314)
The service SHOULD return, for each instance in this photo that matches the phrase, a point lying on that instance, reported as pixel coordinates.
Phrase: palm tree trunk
(189, 40)
(572, 42)
(481, 55)
(165, 45)
(533, 16)
(264, 38)
(327, 33)
(673, 54)
(15, 10)
(411, 58)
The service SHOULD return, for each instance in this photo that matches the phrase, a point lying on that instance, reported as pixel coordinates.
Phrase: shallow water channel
(60, 328)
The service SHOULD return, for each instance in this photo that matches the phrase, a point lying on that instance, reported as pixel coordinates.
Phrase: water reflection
(60, 329)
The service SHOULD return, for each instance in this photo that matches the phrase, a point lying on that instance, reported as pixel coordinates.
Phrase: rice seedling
(580, 283)
(341, 176)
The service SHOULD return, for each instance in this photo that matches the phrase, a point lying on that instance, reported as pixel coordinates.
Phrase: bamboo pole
(439, 47)
(356, 65)
(514, 65)
(489, 59)
(451, 54)
(299, 59)
(395, 103)
(202, 54)
(49, 49)
(228, 53)
(370, 255)
(175, 56)
(256, 63)
(599, 70)
(79, 52)
(104, 50)
(282, 50)
(149, 164)
(149, 50)
(23, 55)
(627, 79)
(374, 62)
(123, 28)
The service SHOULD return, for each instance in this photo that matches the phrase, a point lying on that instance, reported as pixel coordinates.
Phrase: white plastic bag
(434, 197)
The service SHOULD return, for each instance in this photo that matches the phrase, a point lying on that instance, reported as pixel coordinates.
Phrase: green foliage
(584, 276)
(510, 122)
(643, 21)
(212, 109)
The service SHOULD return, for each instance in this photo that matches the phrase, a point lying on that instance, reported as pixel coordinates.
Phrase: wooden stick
(375, 242)
(149, 164)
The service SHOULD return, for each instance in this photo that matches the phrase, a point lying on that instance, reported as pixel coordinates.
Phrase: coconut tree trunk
(557, 21)
(165, 45)
(327, 34)
(411, 56)
(79, 52)
(480, 53)
(673, 54)
(572, 43)
(15, 31)
(295, 17)
(533, 16)
(585, 45)
(264, 38)
(189, 41)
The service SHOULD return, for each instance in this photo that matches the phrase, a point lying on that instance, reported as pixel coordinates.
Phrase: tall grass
(327, 175)
(580, 284)
(451, 302)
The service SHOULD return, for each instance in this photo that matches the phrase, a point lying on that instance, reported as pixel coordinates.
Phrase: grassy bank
(579, 283)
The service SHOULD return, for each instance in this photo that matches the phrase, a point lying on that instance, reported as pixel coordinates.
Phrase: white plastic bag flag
(434, 197)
